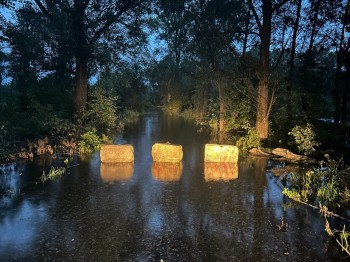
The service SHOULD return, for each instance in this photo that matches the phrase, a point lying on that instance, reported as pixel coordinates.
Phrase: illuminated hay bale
(168, 172)
(117, 154)
(220, 171)
(221, 153)
(116, 172)
(166, 153)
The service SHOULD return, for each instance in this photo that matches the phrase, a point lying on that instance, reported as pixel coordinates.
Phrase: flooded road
(152, 212)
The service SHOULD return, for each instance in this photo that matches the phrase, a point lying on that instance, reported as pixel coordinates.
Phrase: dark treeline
(249, 70)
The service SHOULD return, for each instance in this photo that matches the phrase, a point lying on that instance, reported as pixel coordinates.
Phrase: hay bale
(168, 172)
(116, 172)
(117, 154)
(220, 153)
(166, 153)
(220, 171)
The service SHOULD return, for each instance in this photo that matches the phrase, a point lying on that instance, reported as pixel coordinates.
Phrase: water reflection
(80, 218)
(169, 172)
(220, 171)
(116, 172)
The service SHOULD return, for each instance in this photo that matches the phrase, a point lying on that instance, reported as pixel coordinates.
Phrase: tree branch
(279, 5)
(43, 9)
(109, 21)
(66, 7)
(250, 3)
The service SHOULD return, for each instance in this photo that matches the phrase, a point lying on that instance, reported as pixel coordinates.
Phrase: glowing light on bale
(220, 171)
(116, 172)
(167, 172)
(220, 153)
(117, 154)
(166, 153)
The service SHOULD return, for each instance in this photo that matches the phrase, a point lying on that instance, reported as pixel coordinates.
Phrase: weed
(282, 226)
(54, 173)
(343, 242)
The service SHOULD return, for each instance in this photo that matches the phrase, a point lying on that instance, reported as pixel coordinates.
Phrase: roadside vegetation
(325, 187)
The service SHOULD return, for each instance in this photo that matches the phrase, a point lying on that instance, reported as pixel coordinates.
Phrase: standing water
(154, 212)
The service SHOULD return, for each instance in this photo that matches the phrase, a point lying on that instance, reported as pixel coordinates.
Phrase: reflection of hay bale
(220, 171)
(166, 153)
(167, 171)
(116, 171)
(220, 153)
(116, 153)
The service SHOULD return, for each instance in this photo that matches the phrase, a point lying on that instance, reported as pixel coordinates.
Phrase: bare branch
(43, 9)
(250, 3)
(279, 5)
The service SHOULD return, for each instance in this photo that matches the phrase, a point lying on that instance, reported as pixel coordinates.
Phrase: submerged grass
(326, 187)
(54, 173)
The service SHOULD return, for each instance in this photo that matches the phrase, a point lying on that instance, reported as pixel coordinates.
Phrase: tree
(216, 27)
(75, 35)
(264, 102)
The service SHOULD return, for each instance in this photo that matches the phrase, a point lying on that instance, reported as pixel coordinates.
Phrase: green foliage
(127, 83)
(250, 140)
(101, 112)
(304, 138)
(292, 194)
(174, 107)
(329, 193)
(326, 185)
(54, 173)
(130, 116)
(5, 149)
(90, 142)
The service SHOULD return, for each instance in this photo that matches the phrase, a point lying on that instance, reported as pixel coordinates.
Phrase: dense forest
(250, 71)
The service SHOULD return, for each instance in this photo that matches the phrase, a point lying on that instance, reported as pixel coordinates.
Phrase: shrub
(101, 112)
(250, 140)
(173, 107)
(90, 141)
(304, 138)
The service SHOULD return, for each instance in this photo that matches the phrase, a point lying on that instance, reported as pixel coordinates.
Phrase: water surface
(151, 212)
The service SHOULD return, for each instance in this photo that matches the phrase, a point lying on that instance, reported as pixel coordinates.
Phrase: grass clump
(54, 173)
(326, 187)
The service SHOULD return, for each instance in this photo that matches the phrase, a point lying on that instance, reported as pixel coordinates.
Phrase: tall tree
(264, 102)
(216, 26)
(87, 29)
(292, 55)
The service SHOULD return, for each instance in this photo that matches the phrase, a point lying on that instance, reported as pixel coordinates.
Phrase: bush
(250, 140)
(174, 107)
(101, 112)
(90, 141)
(304, 138)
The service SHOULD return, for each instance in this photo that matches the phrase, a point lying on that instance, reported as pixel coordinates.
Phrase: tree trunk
(204, 108)
(345, 93)
(221, 112)
(246, 32)
(340, 61)
(307, 61)
(262, 113)
(81, 55)
(81, 86)
(262, 121)
(292, 59)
